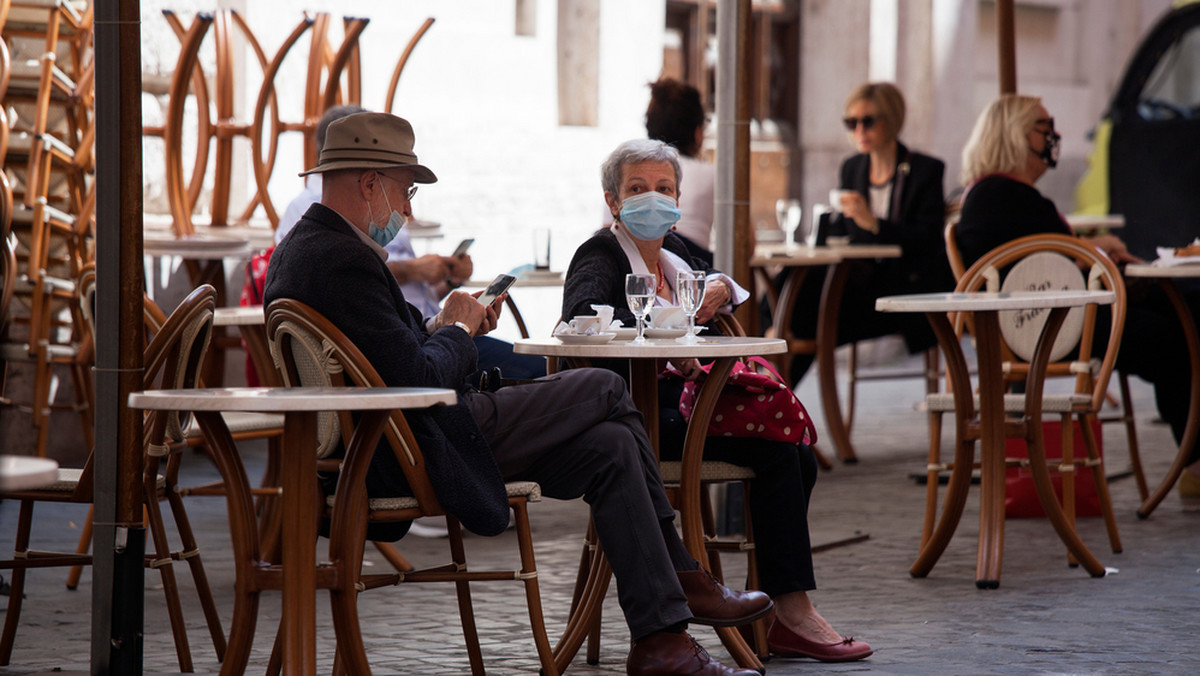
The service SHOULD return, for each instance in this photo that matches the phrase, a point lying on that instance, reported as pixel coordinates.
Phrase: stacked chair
(172, 360)
(47, 197)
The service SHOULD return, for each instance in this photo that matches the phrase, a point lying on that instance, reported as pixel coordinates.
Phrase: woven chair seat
(709, 471)
(23, 215)
(26, 79)
(530, 490)
(21, 144)
(68, 479)
(30, 15)
(1014, 403)
(241, 422)
(20, 351)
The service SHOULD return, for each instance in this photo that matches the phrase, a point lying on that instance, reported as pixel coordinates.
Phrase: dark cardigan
(597, 275)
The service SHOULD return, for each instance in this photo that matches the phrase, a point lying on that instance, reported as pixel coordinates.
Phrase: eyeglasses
(1044, 121)
(411, 191)
(867, 122)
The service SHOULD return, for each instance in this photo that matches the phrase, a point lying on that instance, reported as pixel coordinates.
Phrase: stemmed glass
(689, 286)
(639, 294)
(788, 213)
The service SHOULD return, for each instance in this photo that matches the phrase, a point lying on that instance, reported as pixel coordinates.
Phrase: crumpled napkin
(1168, 258)
(565, 329)
(667, 317)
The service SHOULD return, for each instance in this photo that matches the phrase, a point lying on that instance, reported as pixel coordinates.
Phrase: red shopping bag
(1020, 497)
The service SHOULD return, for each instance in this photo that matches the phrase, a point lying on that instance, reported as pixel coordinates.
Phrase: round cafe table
(986, 306)
(24, 472)
(204, 258)
(299, 575)
(1166, 276)
(798, 259)
(644, 362)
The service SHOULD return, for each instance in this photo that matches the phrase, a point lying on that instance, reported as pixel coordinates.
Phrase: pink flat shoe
(786, 643)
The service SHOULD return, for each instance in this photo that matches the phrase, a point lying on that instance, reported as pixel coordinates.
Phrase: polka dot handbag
(754, 403)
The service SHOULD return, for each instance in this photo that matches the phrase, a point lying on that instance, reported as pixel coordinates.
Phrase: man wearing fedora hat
(576, 433)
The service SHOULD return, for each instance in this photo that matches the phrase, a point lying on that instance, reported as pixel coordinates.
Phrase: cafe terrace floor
(1046, 618)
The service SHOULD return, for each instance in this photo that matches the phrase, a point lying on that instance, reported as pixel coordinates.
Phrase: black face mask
(1050, 149)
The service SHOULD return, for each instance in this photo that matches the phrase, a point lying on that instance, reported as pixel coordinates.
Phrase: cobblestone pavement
(1046, 618)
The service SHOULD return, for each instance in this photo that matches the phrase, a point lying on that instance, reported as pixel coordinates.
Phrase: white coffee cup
(835, 199)
(605, 313)
(585, 325)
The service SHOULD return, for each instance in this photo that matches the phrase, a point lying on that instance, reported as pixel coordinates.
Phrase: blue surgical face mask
(385, 235)
(649, 215)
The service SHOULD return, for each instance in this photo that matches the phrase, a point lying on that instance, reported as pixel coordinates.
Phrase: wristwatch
(463, 326)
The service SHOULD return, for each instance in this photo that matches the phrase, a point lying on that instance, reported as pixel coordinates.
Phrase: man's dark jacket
(326, 265)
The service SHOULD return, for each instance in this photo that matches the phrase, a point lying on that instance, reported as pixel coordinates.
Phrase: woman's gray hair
(634, 152)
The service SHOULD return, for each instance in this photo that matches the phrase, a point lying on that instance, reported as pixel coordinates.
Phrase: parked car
(1145, 163)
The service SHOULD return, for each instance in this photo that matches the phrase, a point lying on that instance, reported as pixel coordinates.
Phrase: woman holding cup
(641, 181)
(886, 194)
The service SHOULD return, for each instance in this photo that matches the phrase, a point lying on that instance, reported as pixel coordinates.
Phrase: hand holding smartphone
(498, 286)
(462, 247)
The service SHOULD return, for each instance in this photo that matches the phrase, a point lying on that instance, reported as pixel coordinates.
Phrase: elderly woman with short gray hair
(641, 181)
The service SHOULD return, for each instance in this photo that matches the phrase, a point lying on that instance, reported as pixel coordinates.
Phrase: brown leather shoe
(714, 604)
(670, 654)
(786, 643)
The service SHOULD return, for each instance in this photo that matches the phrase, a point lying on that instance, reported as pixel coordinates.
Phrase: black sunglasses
(867, 121)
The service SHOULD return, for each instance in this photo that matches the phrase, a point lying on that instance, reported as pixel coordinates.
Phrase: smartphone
(462, 247)
(498, 286)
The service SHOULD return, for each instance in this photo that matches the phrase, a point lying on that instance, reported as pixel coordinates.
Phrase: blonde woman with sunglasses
(888, 195)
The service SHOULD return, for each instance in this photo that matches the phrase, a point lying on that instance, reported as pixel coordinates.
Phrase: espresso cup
(585, 324)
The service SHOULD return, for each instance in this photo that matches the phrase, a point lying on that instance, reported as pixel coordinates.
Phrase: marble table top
(982, 301)
(1083, 223)
(716, 346)
(23, 472)
(1148, 270)
(780, 253)
(196, 247)
(248, 315)
(283, 399)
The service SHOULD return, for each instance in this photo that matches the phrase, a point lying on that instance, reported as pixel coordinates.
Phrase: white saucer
(664, 333)
(625, 333)
(576, 339)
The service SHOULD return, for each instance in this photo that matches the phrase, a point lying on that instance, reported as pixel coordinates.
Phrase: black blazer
(324, 264)
(915, 221)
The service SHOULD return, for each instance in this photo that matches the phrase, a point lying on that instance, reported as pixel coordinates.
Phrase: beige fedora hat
(370, 141)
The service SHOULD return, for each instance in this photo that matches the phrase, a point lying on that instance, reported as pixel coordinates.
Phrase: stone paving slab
(1046, 617)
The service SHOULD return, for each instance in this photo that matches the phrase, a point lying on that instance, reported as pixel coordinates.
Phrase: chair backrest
(1044, 263)
(8, 277)
(309, 351)
(175, 355)
(952, 252)
(172, 360)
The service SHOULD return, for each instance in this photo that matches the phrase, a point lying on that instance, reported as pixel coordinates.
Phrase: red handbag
(754, 403)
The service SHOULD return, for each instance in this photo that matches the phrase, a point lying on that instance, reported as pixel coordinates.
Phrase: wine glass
(639, 294)
(689, 286)
(788, 213)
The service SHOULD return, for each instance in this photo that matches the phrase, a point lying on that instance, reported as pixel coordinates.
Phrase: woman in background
(889, 195)
(676, 116)
(1012, 145)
